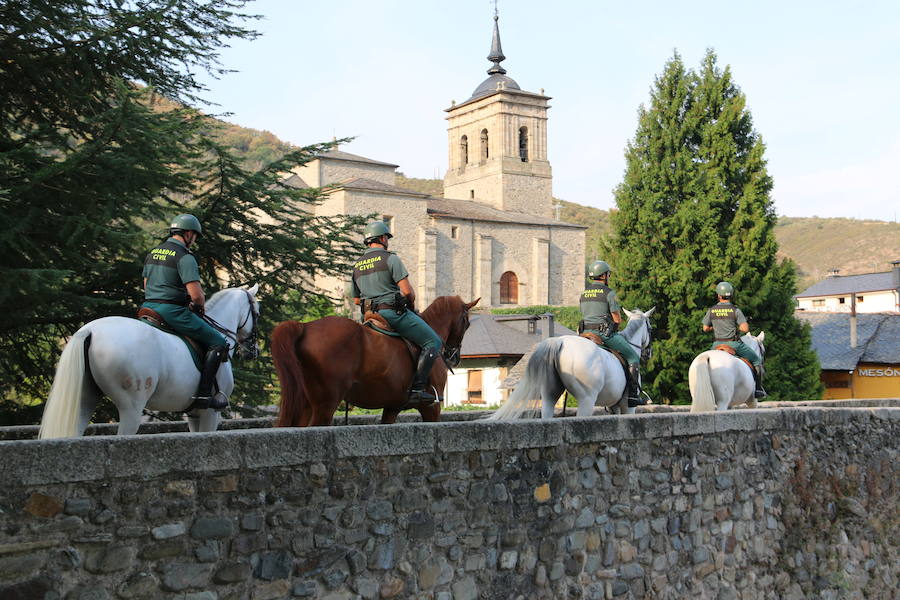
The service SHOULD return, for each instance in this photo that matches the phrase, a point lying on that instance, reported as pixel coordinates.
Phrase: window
(389, 221)
(454, 232)
(859, 298)
(464, 151)
(472, 194)
(509, 288)
(523, 143)
(474, 388)
(818, 302)
(484, 145)
(841, 300)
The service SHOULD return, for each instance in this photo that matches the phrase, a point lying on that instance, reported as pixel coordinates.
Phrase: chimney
(547, 326)
(896, 271)
(853, 320)
(833, 272)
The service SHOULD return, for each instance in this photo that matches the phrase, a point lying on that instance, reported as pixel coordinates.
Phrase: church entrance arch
(509, 288)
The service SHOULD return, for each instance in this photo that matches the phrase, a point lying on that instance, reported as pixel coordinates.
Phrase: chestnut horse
(331, 359)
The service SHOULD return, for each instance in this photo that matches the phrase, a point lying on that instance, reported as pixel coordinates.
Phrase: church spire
(496, 55)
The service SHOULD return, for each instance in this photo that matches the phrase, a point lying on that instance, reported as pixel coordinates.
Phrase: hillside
(817, 245)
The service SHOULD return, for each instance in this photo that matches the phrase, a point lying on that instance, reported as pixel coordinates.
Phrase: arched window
(484, 144)
(509, 288)
(464, 150)
(523, 143)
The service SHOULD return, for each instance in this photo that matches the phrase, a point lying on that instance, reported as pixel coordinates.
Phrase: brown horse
(328, 360)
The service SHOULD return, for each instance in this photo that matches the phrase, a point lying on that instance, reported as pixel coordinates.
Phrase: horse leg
(431, 413)
(389, 416)
(90, 395)
(550, 392)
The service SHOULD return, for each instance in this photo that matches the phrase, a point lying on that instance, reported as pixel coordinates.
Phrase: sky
(822, 82)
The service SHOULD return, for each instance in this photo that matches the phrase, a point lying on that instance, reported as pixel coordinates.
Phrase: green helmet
(376, 229)
(186, 223)
(725, 289)
(598, 268)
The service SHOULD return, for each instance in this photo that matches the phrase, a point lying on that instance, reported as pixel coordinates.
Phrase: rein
(233, 335)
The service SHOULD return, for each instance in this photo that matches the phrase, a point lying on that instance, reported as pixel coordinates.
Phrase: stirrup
(760, 393)
(215, 402)
(420, 399)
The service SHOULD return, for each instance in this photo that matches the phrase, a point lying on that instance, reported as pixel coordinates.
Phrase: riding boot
(418, 394)
(205, 398)
(759, 392)
(634, 387)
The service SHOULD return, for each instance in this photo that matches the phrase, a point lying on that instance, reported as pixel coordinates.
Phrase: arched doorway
(509, 288)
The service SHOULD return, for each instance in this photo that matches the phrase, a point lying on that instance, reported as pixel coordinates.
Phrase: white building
(874, 292)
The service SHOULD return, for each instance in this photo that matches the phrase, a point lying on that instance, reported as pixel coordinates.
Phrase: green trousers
(742, 349)
(412, 327)
(620, 345)
(182, 320)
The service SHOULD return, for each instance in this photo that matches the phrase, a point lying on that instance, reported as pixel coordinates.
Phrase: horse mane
(632, 325)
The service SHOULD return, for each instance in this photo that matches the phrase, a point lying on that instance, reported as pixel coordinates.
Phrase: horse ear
(649, 312)
(628, 313)
(252, 291)
(469, 305)
(761, 336)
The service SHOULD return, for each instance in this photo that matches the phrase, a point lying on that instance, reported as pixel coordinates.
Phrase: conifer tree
(100, 147)
(694, 209)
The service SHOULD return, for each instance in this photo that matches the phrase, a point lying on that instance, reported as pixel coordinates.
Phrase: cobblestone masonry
(787, 503)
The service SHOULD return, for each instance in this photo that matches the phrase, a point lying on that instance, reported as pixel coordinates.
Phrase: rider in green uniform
(600, 313)
(172, 289)
(725, 320)
(381, 283)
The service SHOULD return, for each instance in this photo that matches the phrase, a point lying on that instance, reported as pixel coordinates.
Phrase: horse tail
(703, 398)
(543, 367)
(285, 339)
(64, 403)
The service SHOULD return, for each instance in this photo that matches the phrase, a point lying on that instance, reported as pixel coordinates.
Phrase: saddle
(731, 351)
(376, 322)
(599, 341)
(154, 319)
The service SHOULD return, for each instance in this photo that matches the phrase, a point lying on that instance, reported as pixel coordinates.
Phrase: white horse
(138, 366)
(719, 380)
(587, 371)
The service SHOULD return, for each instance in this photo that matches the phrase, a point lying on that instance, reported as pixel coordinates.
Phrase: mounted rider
(172, 289)
(600, 314)
(725, 320)
(381, 284)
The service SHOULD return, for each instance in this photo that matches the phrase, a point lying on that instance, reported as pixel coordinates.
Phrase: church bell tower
(498, 144)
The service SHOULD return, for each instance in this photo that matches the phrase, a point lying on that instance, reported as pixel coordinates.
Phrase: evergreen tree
(695, 209)
(99, 148)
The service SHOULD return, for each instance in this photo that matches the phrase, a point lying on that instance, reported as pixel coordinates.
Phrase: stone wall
(768, 503)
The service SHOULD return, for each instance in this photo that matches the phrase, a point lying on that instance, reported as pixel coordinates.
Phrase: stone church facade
(493, 234)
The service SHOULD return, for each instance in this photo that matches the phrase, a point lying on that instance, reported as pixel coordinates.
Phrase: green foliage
(433, 187)
(694, 208)
(99, 148)
(568, 316)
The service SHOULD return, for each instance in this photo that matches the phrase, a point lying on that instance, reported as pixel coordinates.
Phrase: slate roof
(362, 183)
(466, 209)
(843, 285)
(501, 335)
(341, 155)
(877, 334)
(295, 181)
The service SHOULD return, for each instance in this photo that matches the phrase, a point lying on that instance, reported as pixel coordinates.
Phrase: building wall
(868, 380)
(884, 301)
(320, 172)
(749, 504)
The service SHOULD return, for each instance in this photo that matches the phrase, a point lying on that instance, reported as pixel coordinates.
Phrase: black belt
(383, 307)
(166, 302)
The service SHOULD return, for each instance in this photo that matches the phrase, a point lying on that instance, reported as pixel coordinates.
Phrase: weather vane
(496, 11)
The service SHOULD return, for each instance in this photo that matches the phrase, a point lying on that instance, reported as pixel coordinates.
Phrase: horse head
(450, 314)
(639, 331)
(756, 343)
(237, 318)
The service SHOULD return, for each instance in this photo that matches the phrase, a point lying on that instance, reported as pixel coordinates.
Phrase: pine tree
(694, 209)
(100, 147)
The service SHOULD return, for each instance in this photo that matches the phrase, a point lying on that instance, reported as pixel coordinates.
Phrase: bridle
(247, 348)
(451, 352)
(645, 351)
